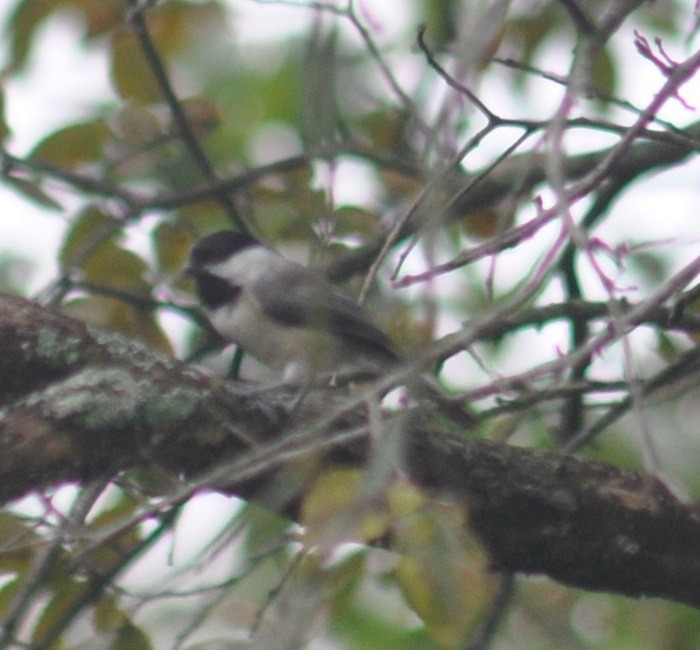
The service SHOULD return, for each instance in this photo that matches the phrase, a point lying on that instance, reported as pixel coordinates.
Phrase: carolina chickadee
(283, 314)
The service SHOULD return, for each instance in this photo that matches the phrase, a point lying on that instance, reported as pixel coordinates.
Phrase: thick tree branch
(584, 523)
(79, 403)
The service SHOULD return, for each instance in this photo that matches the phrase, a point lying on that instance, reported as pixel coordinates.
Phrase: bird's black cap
(218, 246)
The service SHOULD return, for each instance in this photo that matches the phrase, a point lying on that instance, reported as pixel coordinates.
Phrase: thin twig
(138, 22)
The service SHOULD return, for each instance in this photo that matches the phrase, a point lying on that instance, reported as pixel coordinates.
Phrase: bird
(290, 317)
(285, 315)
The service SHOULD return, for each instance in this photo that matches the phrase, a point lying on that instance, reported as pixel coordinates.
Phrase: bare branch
(138, 22)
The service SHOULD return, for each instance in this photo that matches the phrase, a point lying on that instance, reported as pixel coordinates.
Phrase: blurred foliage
(315, 102)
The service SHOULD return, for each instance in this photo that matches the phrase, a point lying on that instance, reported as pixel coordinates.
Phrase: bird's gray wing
(310, 301)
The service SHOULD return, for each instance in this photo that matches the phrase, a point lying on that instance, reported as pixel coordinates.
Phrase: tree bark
(77, 403)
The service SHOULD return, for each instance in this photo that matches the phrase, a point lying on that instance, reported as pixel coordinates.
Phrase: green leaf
(442, 572)
(172, 243)
(261, 526)
(530, 31)
(19, 543)
(131, 637)
(353, 220)
(140, 142)
(386, 129)
(86, 233)
(31, 189)
(173, 27)
(116, 315)
(604, 73)
(72, 145)
(131, 73)
(650, 265)
(97, 18)
(13, 530)
(179, 25)
(339, 490)
(22, 27)
(117, 267)
(8, 592)
(121, 510)
(136, 125)
(362, 626)
(441, 18)
(4, 128)
(107, 615)
(67, 592)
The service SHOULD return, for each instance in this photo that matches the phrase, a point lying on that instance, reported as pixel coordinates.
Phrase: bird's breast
(295, 351)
